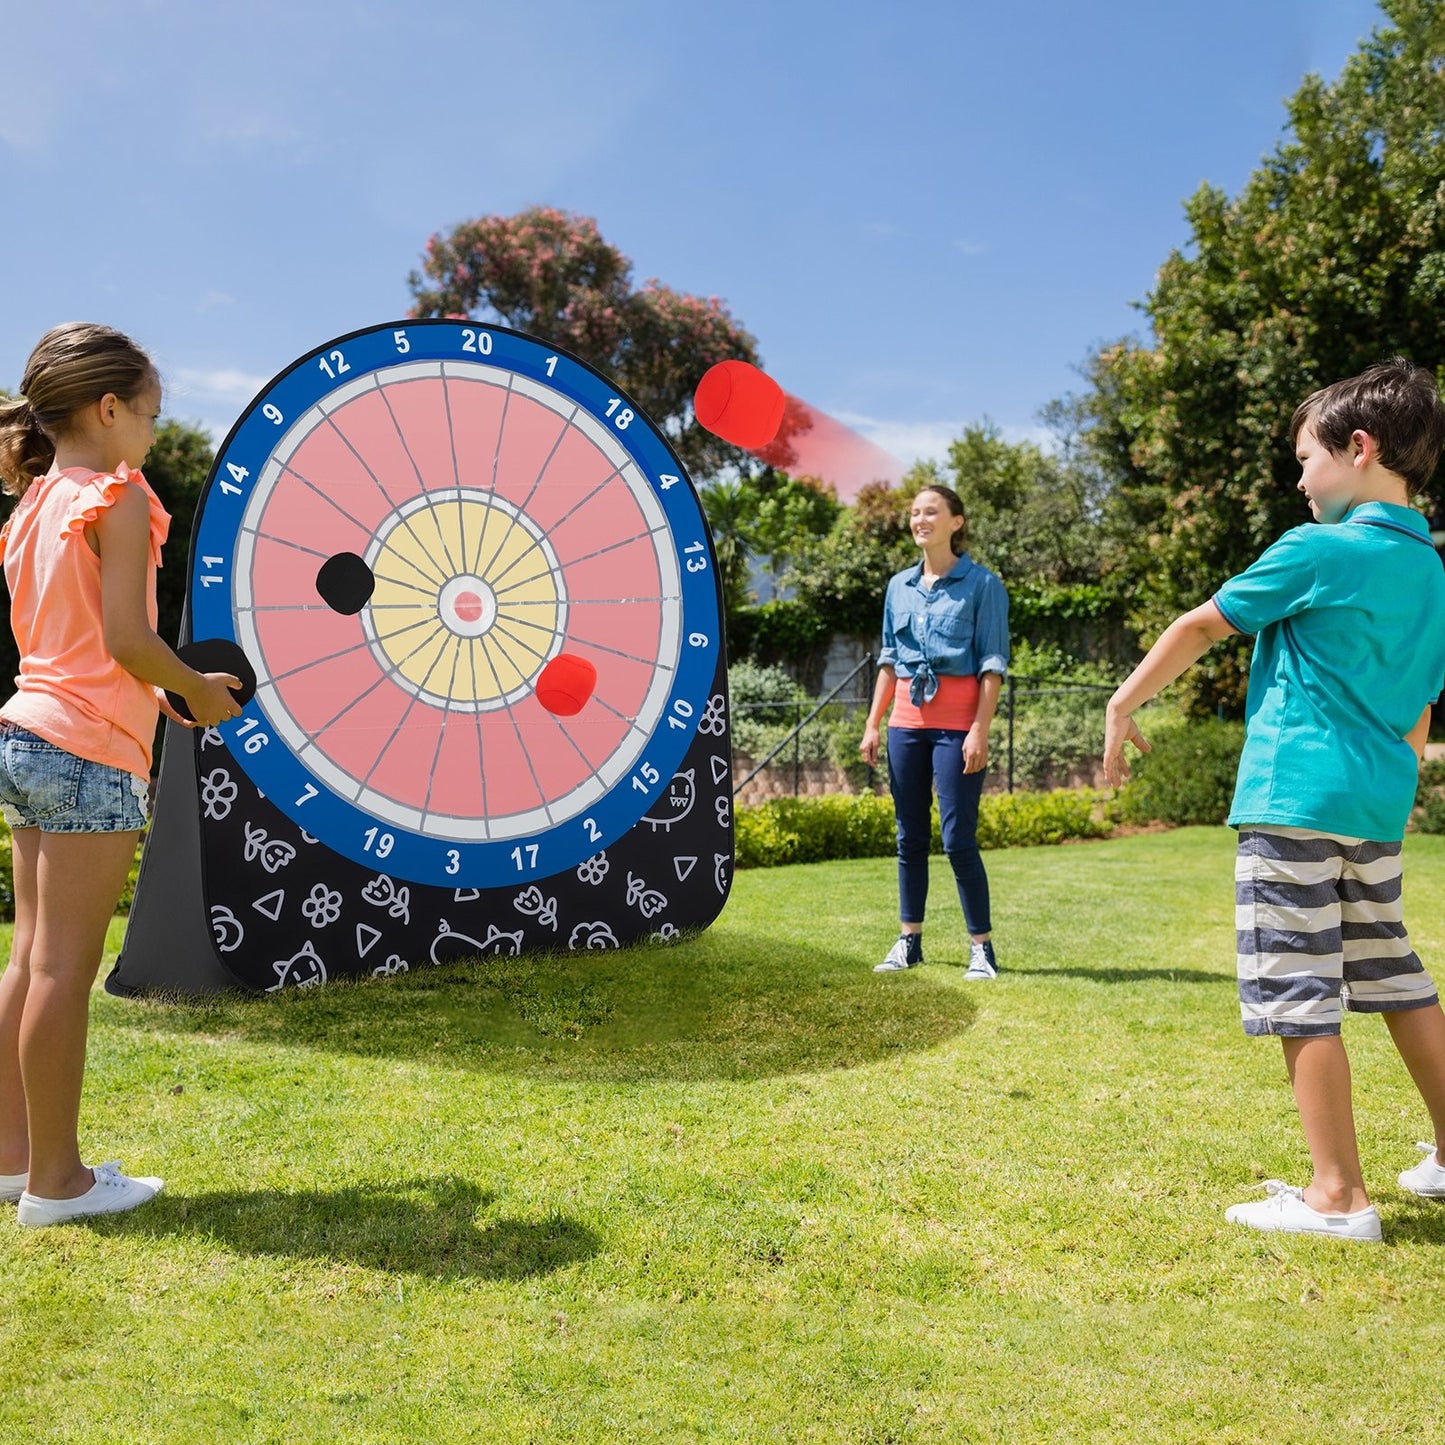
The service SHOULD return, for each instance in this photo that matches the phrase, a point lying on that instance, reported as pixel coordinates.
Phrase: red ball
(740, 404)
(565, 684)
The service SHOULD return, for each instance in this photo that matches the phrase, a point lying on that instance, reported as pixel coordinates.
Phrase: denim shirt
(956, 628)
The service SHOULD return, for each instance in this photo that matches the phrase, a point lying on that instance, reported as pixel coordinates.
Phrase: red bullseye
(740, 404)
(468, 606)
(565, 684)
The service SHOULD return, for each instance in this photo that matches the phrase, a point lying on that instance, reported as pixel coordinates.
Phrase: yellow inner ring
(420, 555)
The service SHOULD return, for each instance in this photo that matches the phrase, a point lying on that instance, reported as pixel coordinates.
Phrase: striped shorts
(1319, 928)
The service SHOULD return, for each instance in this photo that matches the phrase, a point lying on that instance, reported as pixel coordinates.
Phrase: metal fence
(1050, 734)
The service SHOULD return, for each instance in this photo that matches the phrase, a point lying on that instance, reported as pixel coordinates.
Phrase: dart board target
(406, 529)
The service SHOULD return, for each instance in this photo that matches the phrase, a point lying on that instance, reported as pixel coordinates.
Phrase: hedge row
(816, 830)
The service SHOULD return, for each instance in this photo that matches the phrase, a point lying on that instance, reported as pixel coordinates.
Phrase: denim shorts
(43, 786)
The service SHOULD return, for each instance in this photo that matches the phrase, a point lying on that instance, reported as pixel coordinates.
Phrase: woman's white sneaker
(1427, 1178)
(112, 1193)
(1286, 1212)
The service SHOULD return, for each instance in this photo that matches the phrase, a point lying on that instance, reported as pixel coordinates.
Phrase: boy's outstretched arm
(1179, 647)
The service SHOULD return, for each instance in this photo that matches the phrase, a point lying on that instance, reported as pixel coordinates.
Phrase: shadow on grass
(419, 1226)
(1129, 975)
(732, 1006)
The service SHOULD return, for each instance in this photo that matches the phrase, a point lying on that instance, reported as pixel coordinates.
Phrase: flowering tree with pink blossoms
(550, 274)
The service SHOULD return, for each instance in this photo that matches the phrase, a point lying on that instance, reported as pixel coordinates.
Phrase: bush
(817, 830)
(1186, 777)
(1430, 797)
(1058, 729)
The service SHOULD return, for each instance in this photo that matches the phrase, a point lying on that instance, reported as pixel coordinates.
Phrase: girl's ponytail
(71, 366)
(25, 451)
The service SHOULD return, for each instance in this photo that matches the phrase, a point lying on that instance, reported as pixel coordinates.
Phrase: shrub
(1186, 777)
(1430, 797)
(1021, 820)
(816, 830)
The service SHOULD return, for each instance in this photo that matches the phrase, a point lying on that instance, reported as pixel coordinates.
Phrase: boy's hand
(1120, 728)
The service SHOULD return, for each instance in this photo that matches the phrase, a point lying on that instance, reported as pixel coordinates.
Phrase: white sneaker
(1427, 1178)
(1287, 1213)
(897, 959)
(12, 1186)
(981, 961)
(112, 1193)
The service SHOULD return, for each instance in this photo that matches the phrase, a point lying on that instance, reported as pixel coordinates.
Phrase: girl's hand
(210, 699)
(168, 711)
(868, 748)
(1120, 728)
(975, 750)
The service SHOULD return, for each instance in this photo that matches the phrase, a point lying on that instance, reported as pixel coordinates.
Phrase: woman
(945, 649)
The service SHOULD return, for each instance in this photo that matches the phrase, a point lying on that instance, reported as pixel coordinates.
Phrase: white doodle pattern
(592, 935)
(273, 852)
(322, 906)
(304, 969)
(714, 716)
(383, 893)
(218, 794)
(394, 964)
(648, 901)
(531, 902)
(227, 928)
(594, 869)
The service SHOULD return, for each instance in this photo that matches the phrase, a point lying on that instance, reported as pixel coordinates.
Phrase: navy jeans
(920, 760)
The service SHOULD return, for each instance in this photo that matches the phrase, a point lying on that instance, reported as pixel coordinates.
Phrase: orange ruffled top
(70, 690)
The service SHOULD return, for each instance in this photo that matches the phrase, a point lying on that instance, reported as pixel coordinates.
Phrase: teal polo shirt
(1349, 621)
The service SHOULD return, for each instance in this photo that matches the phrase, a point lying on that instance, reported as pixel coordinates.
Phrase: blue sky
(927, 213)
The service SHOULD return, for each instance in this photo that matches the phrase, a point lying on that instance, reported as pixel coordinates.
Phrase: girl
(80, 550)
(945, 648)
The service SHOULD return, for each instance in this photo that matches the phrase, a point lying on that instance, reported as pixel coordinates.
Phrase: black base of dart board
(233, 895)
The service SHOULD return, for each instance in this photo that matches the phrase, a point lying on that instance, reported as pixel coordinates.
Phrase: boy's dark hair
(1397, 403)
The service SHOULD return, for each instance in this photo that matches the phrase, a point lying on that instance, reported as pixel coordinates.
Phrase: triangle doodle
(366, 937)
(720, 768)
(683, 866)
(271, 904)
(465, 895)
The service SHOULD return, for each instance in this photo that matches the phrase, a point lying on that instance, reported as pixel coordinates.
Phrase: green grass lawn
(743, 1189)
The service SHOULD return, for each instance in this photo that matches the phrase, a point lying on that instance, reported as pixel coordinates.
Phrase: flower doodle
(218, 793)
(382, 892)
(322, 906)
(594, 869)
(648, 901)
(531, 902)
(273, 853)
(714, 716)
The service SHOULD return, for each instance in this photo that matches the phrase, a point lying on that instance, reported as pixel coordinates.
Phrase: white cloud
(219, 385)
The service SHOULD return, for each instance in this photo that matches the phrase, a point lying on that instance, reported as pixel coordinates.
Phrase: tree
(1331, 257)
(550, 273)
(1031, 518)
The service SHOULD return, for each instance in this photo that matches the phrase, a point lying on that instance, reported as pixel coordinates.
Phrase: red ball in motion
(740, 404)
(565, 684)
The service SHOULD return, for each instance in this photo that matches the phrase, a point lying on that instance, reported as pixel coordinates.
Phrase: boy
(1349, 619)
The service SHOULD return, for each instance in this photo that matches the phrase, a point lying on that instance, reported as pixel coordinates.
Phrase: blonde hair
(72, 365)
